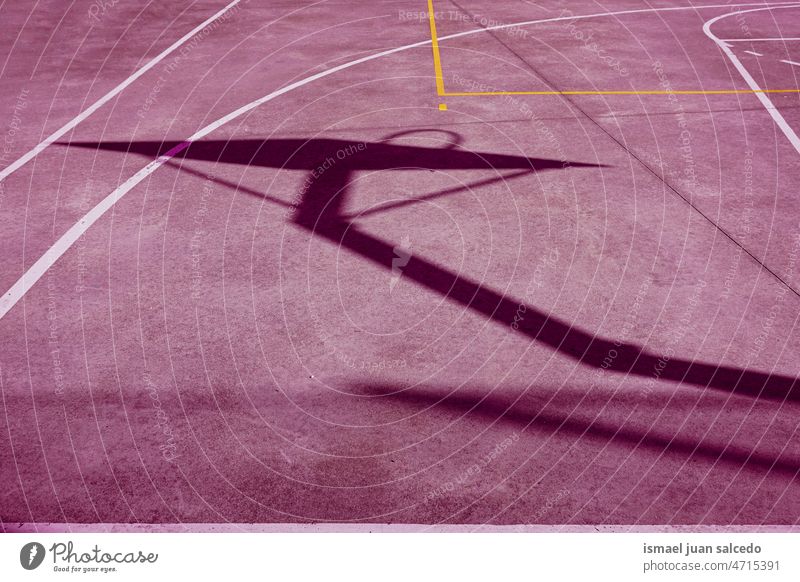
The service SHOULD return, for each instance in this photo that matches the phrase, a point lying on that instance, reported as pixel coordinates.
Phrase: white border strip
(110, 95)
(40, 267)
(380, 528)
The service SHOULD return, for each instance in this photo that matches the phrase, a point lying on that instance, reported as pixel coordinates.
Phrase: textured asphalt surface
(349, 305)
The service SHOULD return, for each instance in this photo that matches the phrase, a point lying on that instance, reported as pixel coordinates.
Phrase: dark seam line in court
(633, 155)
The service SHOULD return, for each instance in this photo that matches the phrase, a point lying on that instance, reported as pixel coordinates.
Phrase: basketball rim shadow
(320, 211)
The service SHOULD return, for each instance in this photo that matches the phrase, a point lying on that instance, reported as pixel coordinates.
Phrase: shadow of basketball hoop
(331, 164)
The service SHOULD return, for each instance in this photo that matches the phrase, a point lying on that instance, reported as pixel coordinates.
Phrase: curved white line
(48, 259)
(4, 173)
(779, 120)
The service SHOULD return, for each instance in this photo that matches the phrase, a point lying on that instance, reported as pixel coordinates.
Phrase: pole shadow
(475, 403)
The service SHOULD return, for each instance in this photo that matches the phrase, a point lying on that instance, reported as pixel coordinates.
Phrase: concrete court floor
(349, 305)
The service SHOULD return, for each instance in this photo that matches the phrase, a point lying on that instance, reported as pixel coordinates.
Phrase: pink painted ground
(349, 306)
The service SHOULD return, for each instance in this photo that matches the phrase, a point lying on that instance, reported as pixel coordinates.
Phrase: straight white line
(755, 54)
(763, 97)
(62, 245)
(777, 39)
(791, 63)
(110, 95)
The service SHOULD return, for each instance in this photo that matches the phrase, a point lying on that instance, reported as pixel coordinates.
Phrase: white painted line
(777, 39)
(755, 54)
(791, 63)
(763, 97)
(62, 245)
(110, 95)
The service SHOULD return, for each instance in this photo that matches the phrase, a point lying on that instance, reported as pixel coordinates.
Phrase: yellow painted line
(437, 66)
(437, 60)
(645, 92)
(442, 106)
